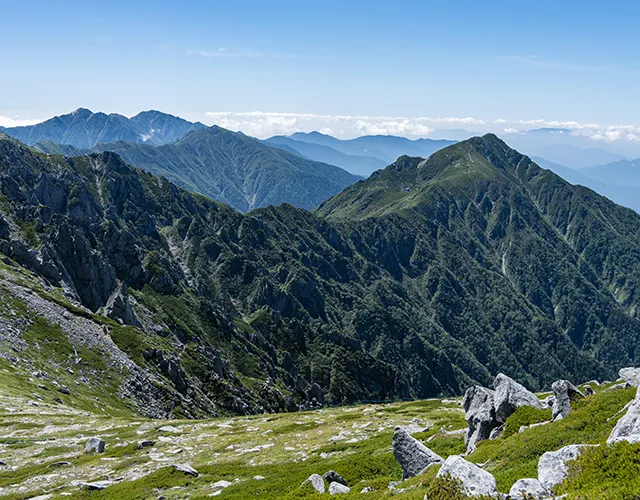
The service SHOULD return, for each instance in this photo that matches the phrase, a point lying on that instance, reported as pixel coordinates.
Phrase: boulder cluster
(337, 484)
(486, 411)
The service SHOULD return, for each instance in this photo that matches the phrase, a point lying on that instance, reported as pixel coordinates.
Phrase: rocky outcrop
(528, 488)
(475, 481)
(413, 456)
(552, 466)
(509, 395)
(480, 415)
(628, 427)
(118, 307)
(630, 375)
(565, 392)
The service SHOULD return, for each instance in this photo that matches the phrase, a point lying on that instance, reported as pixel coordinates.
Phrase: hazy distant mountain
(356, 164)
(84, 129)
(384, 147)
(235, 169)
(625, 195)
(561, 146)
(622, 172)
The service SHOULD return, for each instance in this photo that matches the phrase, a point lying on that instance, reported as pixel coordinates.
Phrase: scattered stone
(414, 428)
(480, 415)
(96, 485)
(316, 482)
(258, 478)
(145, 444)
(588, 391)
(94, 445)
(565, 392)
(170, 429)
(221, 485)
(412, 455)
(59, 464)
(474, 480)
(367, 489)
(65, 390)
(552, 466)
(630, 375)
(509, 395)
(333, 477)
(628, 427)
(338, 489)
(528, 488)
(185, 469)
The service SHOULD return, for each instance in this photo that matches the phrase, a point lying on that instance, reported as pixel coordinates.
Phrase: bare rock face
(552, 466)
(412, 455)
(509, 395)
(119, 307)
(475, 480)
(480, 415)
(628, 427)
(565, 392)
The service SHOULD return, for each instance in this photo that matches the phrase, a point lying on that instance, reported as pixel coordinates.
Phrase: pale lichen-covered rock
(338, 489)
(630, 375)
(565, 392)
(94, 445)
(480, 415)
(474, 480)
(412, 455)
(509, 395)
(529, 488)
(552, 466)
(316, 482)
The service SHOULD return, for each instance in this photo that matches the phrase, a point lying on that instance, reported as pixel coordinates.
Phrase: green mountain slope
(237, 170)
(84, 129)
(419, 281)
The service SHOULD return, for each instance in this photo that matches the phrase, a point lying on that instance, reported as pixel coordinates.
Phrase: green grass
(525, 415)
(605, 472)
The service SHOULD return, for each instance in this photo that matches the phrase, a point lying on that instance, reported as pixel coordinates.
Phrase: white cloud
(7, 121)
(266, 124)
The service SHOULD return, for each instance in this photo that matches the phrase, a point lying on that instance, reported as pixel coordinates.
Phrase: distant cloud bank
(7, 121)
(265, 124)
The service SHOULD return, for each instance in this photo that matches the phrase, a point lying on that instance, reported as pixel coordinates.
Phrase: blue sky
(515, 60)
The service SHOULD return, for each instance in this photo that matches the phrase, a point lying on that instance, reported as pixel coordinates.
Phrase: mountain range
(362, 155)
(431, 275)
(229, 167)
(85, 129)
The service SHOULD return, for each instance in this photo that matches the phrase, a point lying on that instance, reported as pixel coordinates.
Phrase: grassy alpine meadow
(269, 456)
